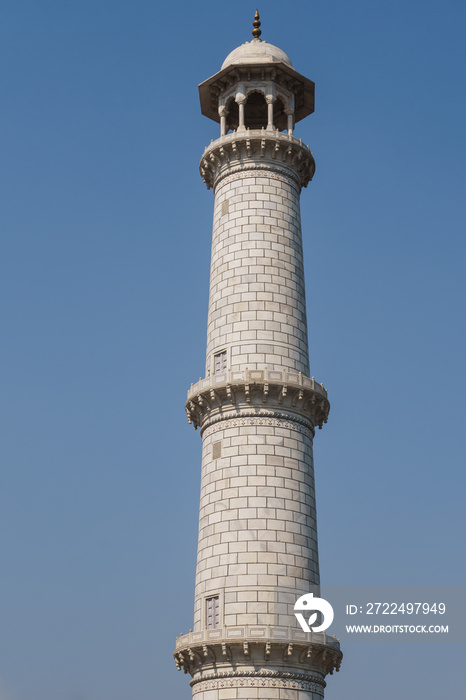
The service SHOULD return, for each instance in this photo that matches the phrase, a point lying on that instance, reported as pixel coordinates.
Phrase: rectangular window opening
(220, 362)
(217, 449)
(212, 612)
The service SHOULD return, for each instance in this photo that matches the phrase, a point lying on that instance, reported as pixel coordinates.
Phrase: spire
(256, 32)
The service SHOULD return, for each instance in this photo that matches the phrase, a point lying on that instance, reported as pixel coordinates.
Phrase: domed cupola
(257, 88)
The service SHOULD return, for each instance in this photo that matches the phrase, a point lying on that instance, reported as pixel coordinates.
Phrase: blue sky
(105, 241)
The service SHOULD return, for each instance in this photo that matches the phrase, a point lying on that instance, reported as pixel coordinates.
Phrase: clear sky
(105, 232)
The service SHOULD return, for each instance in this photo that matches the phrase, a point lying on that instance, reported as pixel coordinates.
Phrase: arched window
(233, 114)
(280, 121)
(255, 111)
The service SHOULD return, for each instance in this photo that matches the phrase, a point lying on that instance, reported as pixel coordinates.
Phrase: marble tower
(257, 407)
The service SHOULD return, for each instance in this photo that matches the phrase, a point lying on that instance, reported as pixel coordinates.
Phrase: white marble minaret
(257, 408)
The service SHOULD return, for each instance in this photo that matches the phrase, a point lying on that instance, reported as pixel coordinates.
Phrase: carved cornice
(260, 417)
(272, 394)
(271, 175)
(307, 661)
(261, 679)
(257, 149)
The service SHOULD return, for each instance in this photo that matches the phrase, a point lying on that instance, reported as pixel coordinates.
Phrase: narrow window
(225, 207)
(217, 449)
(213, 615)
(220, 362)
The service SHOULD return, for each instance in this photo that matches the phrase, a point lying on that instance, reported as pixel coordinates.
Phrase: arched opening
(280, 120)
(255, 111)
(233, 114)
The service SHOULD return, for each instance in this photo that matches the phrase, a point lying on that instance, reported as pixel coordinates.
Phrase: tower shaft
(257, 531)
(257, 311)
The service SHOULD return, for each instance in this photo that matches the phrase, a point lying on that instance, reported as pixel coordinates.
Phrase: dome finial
(256, 32)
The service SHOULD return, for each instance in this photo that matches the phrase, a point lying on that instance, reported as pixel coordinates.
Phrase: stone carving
(309, 662)
(257, 149)
(291, 396)
(259, 681)
(272, 174)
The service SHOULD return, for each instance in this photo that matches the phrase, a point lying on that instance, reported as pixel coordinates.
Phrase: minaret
(257, 408)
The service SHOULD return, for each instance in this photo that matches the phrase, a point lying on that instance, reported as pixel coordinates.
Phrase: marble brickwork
(257, 308)
(257, 525)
